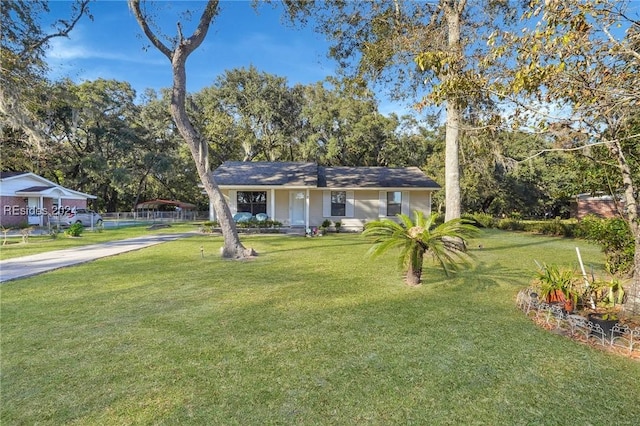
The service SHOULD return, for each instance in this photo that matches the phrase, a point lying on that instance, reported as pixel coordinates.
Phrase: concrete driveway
(26, 266)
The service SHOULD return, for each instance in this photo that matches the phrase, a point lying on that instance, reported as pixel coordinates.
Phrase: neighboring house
(29, 199)
(306, 194)
(600, 205)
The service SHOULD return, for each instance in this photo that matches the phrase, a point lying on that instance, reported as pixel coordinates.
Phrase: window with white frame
(338, 203)
(394, 203)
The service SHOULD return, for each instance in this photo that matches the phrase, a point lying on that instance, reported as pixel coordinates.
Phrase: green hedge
(612, 235)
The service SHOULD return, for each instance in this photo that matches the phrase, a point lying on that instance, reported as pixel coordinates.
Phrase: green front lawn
(309, 332)
(43, 243)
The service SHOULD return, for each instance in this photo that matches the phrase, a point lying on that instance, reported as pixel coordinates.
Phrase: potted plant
(557, 286)
(606, 319)
(609, 295)
(337, 224)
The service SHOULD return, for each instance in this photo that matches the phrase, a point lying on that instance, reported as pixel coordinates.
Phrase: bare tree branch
(578, 148)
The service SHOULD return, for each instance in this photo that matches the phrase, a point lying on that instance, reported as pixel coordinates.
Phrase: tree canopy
(536, 110)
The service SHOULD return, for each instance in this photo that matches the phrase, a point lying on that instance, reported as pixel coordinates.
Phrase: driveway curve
(26, 266)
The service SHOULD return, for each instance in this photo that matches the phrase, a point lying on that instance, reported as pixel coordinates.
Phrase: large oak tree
(178, 51)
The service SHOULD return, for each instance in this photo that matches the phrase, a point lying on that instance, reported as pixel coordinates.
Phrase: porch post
(41, 206)
(307, 202)
(272, 205)
(59, 210)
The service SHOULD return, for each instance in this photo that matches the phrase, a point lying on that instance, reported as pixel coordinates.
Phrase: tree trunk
(632, 303)
(633, 291)
(233, 248)
(413, 275)
(453, 11)
(451, 166)
(414, 269)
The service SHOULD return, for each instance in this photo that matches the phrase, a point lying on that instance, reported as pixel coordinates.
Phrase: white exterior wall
(366, 205)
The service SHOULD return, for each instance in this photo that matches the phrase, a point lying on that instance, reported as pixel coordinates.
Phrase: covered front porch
(44, 202)
(289, 206)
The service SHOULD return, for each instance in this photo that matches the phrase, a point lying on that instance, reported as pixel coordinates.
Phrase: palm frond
(417, 236)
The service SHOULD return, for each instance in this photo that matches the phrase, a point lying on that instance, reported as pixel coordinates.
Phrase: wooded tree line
(101, 140)
(98, 137)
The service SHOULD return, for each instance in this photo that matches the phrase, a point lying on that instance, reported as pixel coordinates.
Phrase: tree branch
(577, 148)
(64, 32)
(134, 5)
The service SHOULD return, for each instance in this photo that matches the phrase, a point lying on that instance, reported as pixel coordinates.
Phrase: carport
(160, 209)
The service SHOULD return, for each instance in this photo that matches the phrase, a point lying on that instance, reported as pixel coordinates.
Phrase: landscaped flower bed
(623, 336)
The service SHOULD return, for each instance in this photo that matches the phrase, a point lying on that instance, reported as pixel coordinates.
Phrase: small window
(338, 203)
(394, 203)
(253, 202)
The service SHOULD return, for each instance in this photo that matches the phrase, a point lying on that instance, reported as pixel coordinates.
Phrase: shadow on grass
(482, 276)
(304, 243)
(294, 339)
(508, 242)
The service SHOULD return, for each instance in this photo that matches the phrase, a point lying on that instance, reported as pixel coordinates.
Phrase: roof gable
(7, 175)
(39, 188)
(26, 178)
(32, 184)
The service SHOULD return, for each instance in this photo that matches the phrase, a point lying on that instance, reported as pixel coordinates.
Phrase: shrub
(439, 219)
(208, 225)
(75, 230)
(510, 225)
(615, 239)
(557, 227)
(254, 223)
(481, 220)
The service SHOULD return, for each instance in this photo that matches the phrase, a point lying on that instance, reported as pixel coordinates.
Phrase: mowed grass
(310, 332)
(43, 243)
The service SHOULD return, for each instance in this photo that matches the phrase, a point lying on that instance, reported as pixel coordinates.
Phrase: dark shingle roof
(267, 173)
(4, 175)
(374, 177)
(240, 173)
(35, 189)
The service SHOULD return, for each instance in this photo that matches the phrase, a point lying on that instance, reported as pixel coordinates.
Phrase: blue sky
(111, 47)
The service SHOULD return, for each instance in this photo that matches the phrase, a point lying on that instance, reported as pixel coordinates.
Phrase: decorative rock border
(622, 339)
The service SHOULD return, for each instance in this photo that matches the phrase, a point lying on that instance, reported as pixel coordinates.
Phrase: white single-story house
(301, 194)
(29, 199)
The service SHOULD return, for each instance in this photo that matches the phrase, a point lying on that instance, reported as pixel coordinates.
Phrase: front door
(297, 205)
(34, 211)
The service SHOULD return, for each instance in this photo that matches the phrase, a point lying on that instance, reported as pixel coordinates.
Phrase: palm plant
(415, 238)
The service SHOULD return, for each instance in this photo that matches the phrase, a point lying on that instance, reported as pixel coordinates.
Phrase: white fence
(129, 218)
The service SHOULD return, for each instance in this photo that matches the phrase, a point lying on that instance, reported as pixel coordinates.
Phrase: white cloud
(69, 50)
